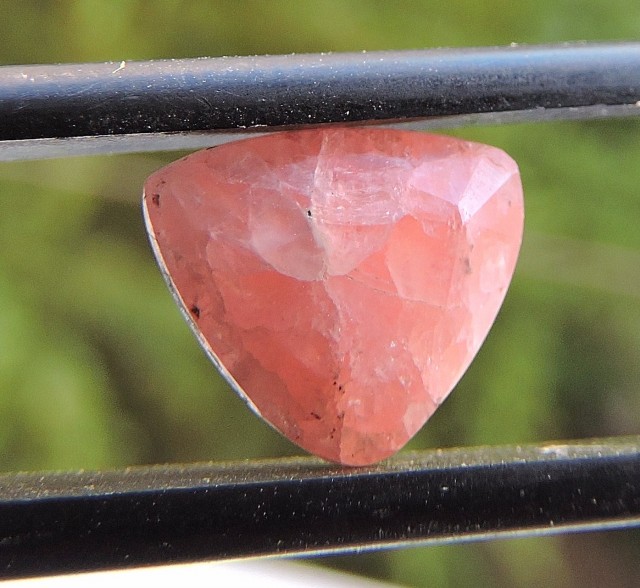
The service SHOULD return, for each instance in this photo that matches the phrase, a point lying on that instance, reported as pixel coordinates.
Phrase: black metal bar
(163, 100)
(57, 523)
(246, 92)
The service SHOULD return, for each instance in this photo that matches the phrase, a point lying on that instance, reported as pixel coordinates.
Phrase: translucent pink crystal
(341, 279)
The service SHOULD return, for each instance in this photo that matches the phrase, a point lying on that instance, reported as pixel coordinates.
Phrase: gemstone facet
(341, 279)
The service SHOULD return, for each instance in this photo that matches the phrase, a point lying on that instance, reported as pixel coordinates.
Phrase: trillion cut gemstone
(341, 279)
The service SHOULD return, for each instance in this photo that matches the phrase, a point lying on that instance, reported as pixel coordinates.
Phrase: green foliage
(98, 369)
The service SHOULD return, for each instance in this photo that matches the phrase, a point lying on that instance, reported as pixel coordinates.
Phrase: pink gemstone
(341, 279)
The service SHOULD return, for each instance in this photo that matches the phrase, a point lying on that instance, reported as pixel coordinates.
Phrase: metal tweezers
(69, 522)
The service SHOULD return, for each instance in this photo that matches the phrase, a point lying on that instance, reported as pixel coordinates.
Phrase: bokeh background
(98, 369)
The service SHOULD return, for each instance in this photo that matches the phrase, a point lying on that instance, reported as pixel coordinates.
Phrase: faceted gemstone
(341, 279)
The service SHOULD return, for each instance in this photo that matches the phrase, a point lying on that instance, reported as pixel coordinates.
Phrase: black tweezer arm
(59, 523)
(134, 105)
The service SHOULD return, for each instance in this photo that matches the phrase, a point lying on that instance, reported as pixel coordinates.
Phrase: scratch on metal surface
(122, 65)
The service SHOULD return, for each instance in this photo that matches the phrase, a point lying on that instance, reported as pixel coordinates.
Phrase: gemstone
(341, 279)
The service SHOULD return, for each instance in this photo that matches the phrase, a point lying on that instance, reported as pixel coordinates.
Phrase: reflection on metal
(30, 149)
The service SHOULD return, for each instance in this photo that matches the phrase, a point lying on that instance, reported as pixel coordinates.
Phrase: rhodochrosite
(341, 279)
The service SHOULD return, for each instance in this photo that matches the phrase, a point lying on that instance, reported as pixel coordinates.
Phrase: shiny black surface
(275, 91)
(71, 522)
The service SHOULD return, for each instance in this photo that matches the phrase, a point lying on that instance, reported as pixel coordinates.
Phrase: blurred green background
(98, 369)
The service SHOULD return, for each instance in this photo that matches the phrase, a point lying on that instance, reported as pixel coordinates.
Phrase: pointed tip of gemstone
(342, 279)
